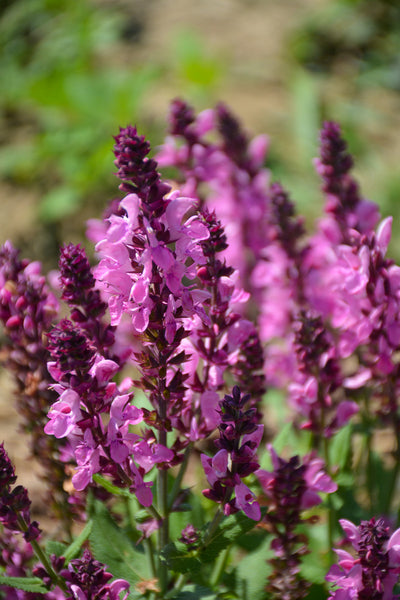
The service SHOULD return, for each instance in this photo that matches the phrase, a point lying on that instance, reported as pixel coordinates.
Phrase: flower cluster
(292, 487)
(87, 579)
(78, 291)
(375, 569)
(240, 436)
(196, 292)
(312, 393)
(27, 310)
(86, 392)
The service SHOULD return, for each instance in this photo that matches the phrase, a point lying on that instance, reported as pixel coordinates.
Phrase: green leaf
(340, 447)
(195, 592)
(179, 559)
(73, 550)
(27, 584)
(110, 487)
(253, 569)
(54, 547)
(112, 547)
(232, 528)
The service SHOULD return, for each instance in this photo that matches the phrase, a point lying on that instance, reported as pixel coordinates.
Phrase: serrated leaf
(112, 547)
(179, 559)
(54, 547)
(27, 584)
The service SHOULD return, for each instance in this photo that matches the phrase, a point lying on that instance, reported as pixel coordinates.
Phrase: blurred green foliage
(62, 102)
(72, 73)
(364, 34)
(344, 58)
(71, 81)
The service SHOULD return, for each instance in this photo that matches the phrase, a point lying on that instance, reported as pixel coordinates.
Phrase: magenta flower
(374, 570)
(240, 436)
(291, 488)
(64, 415)
(87, 578)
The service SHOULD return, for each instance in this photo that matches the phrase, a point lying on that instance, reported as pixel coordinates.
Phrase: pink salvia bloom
(374, 570)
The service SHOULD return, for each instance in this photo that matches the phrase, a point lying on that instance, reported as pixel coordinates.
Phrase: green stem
(395, 473)
(163, 532)
(331, 510)
(178, 480)
(180, 582)
(219, 567)
(42, 556)
(150, 554)
(213, 526)
(370, 471)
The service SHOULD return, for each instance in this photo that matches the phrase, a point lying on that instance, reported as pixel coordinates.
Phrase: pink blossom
(64, 415)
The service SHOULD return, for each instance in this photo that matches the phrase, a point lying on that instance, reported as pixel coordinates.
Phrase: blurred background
(72, 72)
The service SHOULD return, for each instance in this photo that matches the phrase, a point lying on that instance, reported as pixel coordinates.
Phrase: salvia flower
(87, 579)
(190, 536)
(316, 392)
(28, 309)
(292, 487)
(240, 436)
(87, 307)
(69, 348)
(86, 392)
(344, 202)
(374, 569)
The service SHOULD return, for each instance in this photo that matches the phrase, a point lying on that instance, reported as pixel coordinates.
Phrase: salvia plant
(214, 403)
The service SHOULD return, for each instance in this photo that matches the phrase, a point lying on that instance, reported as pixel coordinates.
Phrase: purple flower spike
(75, 274)
(240, 436)
(375, 569)
(70, 348)
(344, 203)
(137, 172)
(290, 488)
(87, 579)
